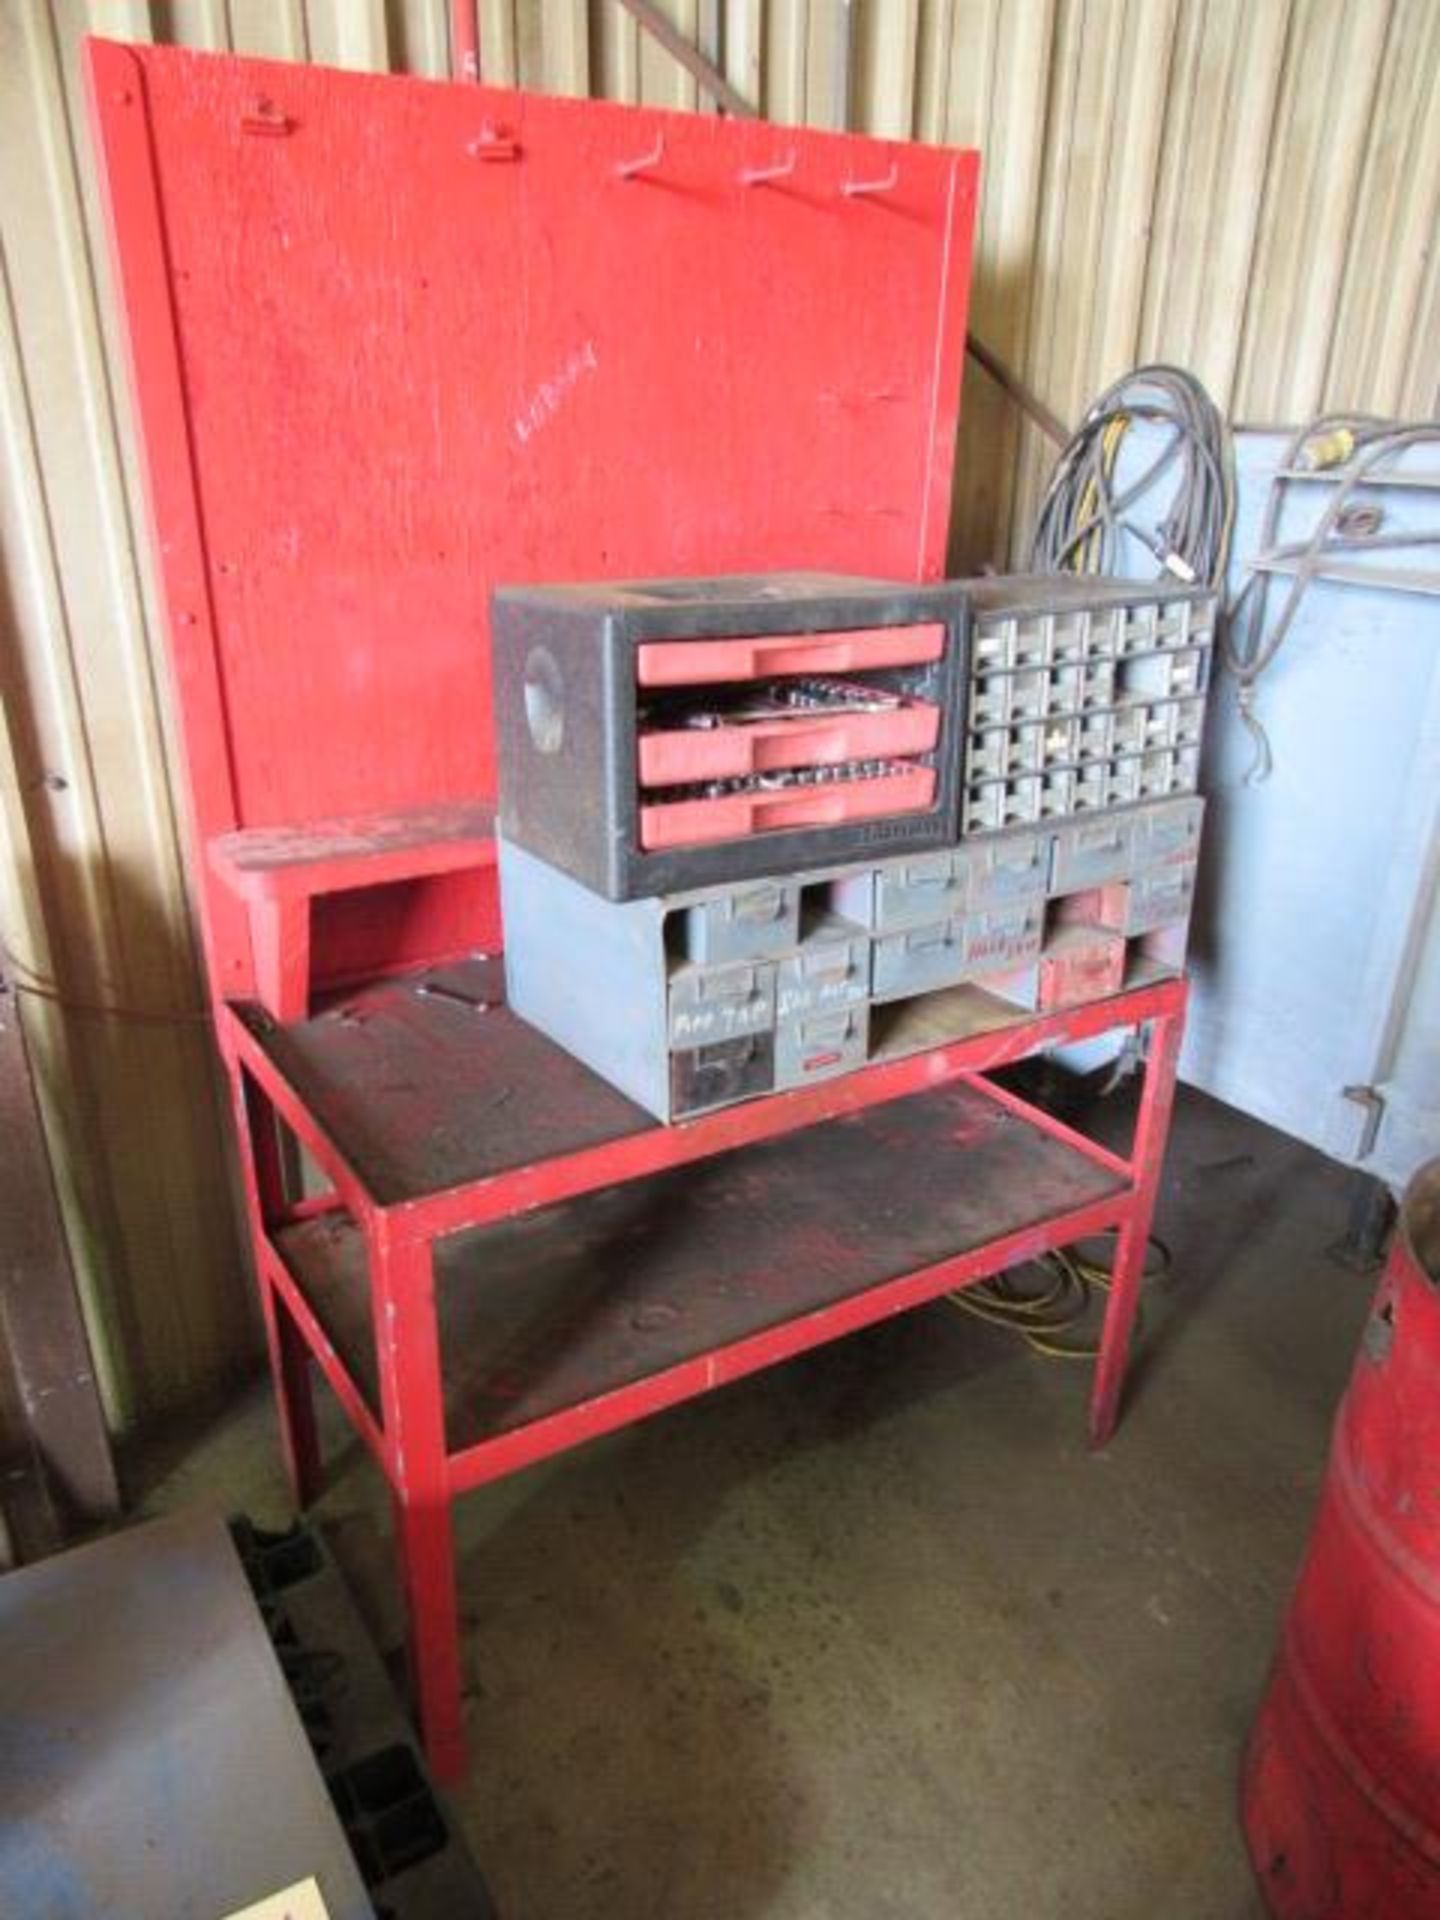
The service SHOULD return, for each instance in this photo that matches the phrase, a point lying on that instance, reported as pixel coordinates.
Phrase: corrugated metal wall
(1251, 187)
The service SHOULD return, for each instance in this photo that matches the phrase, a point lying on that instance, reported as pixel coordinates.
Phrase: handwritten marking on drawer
(819, 991)
(690, 1025)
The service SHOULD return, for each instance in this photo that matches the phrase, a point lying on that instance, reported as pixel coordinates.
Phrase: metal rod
(704, 72)
(433, 990)
(1342, 573)
(1050, 424)
(842, 77)
(465, 39)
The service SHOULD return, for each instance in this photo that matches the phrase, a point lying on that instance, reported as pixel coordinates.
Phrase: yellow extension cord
(1110, 442)
(1043, 1318)
(1109, 452)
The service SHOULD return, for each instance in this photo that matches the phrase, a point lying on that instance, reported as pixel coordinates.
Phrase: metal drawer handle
(764, 906)
(726, 995)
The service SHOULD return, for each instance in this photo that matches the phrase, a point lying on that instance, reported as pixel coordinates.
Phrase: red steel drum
(1341, 1787)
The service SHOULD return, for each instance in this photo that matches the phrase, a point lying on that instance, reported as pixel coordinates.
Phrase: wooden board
(394, 342)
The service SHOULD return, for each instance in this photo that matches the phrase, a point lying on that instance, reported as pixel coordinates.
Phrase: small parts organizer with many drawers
(1083, 694)
(700, 998)
(659, 735)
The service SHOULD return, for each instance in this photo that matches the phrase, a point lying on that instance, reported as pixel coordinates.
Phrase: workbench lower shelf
(613, 1296)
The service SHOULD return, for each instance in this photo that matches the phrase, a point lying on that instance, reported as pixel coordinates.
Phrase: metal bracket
(1372, 1101)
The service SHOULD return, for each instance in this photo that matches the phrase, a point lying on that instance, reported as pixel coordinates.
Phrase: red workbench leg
(290, 1366)
(263, 1171)
(1152, 1129)
(408, 1348)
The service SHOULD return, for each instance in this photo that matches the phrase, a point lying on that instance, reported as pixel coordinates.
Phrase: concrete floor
(874, 1634)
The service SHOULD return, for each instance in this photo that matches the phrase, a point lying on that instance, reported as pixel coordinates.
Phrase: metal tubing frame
(407, 1435)
(1147, 1158)
(407, 1341)
(289, 1343)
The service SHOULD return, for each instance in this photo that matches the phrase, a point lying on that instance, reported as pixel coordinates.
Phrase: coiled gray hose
(1082, 517)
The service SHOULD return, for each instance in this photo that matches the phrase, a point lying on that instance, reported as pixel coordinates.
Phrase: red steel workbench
(513, 1258)
(392, 343)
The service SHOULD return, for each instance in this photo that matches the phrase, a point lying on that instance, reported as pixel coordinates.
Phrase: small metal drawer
(819, 1045)
(1090, 853)
(1079, 964)
(714, 1076)
(1015, 867)
(709, 1004)
(749, 923)
(1161, 897)
(904, 893)
(919, 960)
(831, 969)
(1172, 832)
(1002, 936)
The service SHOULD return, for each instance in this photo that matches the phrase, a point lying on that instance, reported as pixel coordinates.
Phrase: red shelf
(277, 872)
(733, 1261)
(362, 850)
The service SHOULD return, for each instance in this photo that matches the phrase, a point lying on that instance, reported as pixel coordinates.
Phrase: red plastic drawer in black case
(657, 735)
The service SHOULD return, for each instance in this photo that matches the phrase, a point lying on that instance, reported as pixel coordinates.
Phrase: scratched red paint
(1342, 1776)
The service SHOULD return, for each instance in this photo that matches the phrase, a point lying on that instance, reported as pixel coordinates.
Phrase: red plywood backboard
(395, 341)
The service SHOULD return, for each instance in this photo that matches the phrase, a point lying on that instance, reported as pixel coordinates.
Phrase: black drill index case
(669, 734)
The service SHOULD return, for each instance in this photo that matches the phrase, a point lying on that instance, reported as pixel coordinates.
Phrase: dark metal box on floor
(661, 735)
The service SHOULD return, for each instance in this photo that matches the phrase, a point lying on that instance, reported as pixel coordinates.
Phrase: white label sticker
(303, 1901)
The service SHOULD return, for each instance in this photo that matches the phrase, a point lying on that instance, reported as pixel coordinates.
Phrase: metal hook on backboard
(263, 116)
(643, 163)
(762, 176)
(493, 142)
(854, 188)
